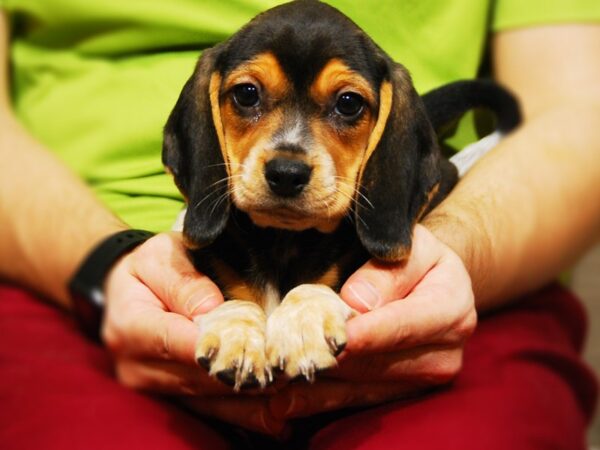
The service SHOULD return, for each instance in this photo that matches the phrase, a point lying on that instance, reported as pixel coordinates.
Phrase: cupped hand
(415, 319)
(153, 295)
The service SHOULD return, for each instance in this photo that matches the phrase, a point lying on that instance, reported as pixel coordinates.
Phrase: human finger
(439, 310)
(167, 377)
(377, 283)
(136, 324)
(162, 264)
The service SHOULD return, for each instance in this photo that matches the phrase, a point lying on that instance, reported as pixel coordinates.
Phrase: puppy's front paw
(232, 344)
(307, 331)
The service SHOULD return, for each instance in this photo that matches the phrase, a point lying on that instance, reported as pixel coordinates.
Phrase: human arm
(544, 179)
(50, 222)
(40, 248)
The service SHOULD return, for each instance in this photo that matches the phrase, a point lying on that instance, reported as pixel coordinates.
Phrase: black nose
(287, 177)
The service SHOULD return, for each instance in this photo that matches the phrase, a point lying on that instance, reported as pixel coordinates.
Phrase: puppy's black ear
(194, 152)
(402, 171)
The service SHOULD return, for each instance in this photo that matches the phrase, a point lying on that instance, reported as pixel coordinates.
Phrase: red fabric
(523, 386)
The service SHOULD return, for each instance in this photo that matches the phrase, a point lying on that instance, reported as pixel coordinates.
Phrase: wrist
(86, 286)
(466, 234)
(82, 244)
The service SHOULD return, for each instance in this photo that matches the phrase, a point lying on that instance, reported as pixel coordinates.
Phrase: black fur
(280, 258)
(402, 172)
(191, 152)
(446, 104)
(398, 179)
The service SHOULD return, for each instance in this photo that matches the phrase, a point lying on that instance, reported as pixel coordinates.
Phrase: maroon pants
(523, 386)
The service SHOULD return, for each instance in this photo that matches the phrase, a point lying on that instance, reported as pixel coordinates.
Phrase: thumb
(377, 283)
(371, 286)
(162, 264)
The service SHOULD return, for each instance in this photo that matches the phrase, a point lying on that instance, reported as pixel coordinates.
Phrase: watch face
(88, 312)
(97, 296)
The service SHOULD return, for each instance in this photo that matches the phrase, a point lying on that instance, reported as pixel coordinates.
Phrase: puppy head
(300, 120)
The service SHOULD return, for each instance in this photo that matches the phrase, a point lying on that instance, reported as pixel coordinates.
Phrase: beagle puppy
(302, 150)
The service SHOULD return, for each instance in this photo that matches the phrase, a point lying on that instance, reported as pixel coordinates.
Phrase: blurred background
(586, 283)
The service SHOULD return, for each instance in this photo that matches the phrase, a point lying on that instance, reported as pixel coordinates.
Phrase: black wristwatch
(87, 285)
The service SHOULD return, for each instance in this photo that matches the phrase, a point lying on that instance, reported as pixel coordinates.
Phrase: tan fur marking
(241, 136)
(402, 253)
(337, 77)
(325, 225)
(330, 278)
(264, 69)
(214, 89)
(386, 95)
(345, 147)
(235, 286)
(397, 255)
(430, 197)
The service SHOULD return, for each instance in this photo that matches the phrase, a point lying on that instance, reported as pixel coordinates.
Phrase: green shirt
(95, 81)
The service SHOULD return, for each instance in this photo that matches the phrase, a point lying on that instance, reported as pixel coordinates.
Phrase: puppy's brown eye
(349, 104)
(246, 95)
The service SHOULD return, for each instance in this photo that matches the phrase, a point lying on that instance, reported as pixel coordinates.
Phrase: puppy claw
(251, 382)
(309, 372)
(205, 360)
(228, 376)
(269, 375)
(336, 348)
(281, 365)
(332, 344)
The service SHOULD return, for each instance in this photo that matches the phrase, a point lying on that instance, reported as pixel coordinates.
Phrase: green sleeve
(523, 13)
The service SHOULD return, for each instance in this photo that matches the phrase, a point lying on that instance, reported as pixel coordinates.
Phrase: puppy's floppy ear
(401, 172)
(193, 151)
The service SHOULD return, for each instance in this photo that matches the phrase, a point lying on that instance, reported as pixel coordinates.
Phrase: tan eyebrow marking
(265, 69)
(336, 76)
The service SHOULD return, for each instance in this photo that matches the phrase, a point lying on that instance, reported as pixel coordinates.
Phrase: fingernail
(199, 304)
(366, 294)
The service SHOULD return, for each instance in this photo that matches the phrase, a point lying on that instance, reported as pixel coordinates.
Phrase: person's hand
(415, 317)
(409, 337)
(153, 295)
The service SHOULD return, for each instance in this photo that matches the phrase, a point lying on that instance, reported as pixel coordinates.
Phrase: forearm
(528, 209)
(50, 219)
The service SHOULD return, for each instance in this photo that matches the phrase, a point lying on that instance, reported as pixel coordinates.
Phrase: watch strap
(86, 287)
